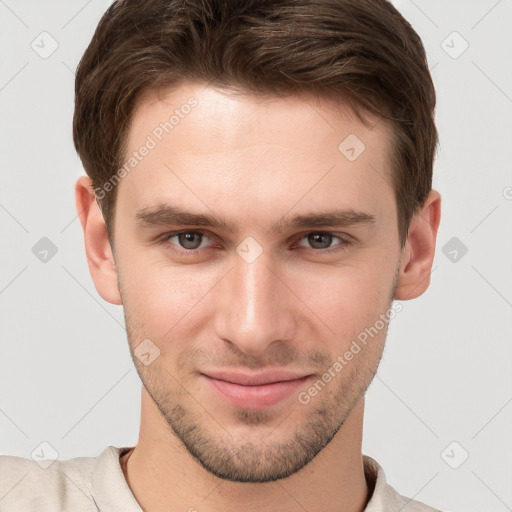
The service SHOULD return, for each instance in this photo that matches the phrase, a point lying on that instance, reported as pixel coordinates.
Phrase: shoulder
(384, 497)
(26, 485)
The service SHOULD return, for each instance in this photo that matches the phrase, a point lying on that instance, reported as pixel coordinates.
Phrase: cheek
(346, 298)
(163, 299)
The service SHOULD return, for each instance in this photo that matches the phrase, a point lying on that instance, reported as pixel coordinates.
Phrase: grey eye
(189, 240)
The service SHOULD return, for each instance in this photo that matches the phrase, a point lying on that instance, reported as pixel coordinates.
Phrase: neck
(163, 476)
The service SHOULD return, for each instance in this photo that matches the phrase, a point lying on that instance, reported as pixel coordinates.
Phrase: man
(258, 193)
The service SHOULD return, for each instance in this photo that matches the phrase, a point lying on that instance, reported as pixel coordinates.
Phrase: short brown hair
(362, 52)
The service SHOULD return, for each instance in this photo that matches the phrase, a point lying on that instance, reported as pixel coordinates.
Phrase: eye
(321, 241)
(188, 241)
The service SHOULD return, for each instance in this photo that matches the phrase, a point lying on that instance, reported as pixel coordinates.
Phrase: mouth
(256, 390)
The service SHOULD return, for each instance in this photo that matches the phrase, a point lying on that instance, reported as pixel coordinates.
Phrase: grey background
(66, 377)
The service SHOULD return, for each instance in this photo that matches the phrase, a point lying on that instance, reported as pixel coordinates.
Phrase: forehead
(243, 151)
(234, 119)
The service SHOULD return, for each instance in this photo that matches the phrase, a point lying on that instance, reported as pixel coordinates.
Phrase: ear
(100, 257)
(418, 253)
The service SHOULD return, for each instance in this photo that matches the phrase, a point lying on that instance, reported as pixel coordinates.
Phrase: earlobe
(99, 253)
(419, 251)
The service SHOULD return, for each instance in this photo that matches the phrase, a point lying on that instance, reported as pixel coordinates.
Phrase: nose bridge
(256, 310)
(257, 289)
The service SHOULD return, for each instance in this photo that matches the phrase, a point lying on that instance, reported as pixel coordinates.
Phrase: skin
(254, 161)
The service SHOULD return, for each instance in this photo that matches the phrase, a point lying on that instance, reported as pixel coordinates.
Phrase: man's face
(254, 299)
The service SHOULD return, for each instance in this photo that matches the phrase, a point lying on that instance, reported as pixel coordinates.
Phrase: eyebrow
(166, 215)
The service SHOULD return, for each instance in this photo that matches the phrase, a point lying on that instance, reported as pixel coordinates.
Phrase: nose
(254, 308)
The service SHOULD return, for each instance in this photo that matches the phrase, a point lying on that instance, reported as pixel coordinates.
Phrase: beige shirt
(89, 484)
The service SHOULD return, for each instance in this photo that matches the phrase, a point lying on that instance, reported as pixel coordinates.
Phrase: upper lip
(254, 379)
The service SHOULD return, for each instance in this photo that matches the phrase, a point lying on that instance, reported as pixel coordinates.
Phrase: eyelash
(344, 242)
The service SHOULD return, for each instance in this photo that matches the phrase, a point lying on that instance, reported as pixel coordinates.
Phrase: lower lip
(255, 397)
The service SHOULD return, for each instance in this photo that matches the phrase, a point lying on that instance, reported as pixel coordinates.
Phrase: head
(258, 194)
